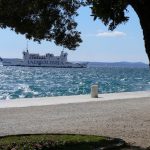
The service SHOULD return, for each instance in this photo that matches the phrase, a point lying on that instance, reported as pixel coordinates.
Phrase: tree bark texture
(142, 8)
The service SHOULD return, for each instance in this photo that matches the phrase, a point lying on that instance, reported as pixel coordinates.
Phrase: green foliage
(43, 19)
(52, 137)
(53, 20)
(53, 142)
(110, 12)
(113, 12)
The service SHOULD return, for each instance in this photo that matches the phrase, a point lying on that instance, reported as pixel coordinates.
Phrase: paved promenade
(124, 115)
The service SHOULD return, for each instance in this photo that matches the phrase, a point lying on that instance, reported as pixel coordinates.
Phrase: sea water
(24, 82)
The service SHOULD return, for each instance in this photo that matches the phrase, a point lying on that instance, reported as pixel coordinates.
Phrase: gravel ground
(125, 119)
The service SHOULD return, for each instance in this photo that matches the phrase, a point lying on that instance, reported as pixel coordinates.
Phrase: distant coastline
(125, 64)
(118, 64)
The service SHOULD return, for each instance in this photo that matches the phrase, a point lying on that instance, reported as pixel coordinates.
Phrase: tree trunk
(142, 8)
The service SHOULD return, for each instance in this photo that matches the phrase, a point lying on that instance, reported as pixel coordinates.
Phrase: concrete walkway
(70, 99)
(124, 115)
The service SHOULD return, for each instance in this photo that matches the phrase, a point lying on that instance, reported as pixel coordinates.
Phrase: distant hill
(118, 64)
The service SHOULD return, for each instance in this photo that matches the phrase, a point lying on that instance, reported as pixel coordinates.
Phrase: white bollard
(94, 91)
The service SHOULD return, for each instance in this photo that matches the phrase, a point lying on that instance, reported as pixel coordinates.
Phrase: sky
(125, 43)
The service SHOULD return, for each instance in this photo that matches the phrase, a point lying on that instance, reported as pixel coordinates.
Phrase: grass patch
(53, 142)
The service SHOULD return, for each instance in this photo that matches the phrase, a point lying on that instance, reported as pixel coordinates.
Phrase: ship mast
(27, 47)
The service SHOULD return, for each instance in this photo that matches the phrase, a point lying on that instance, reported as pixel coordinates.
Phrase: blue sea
(20, 82)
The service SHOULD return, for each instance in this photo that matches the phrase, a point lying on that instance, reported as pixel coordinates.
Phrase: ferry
(47, 60)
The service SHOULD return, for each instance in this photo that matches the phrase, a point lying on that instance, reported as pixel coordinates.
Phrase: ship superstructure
(48, 60)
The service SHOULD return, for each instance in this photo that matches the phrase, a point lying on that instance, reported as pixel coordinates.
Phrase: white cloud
(111, 34)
